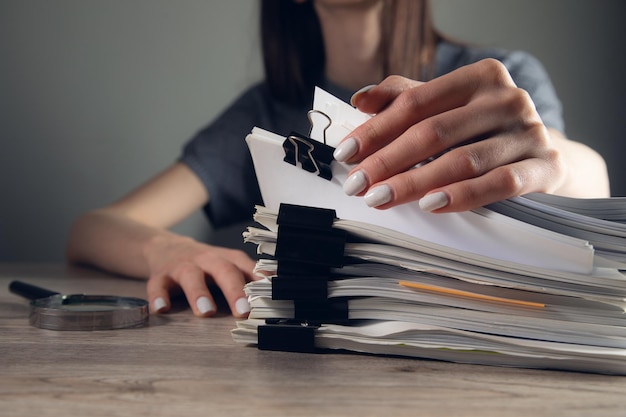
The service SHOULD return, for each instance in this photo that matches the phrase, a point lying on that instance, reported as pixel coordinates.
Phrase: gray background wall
(97, 96)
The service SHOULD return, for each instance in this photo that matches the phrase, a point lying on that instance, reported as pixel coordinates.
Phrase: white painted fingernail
(242, 306)
(378, 196)
(434, 201)
(345, 150)
(204, 305)
(355, 183)
(360, 91)
(159, 304)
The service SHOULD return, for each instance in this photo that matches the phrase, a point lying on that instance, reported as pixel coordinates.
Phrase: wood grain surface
(180, 365)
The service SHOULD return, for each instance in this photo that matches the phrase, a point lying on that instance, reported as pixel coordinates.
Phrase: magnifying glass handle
(29, 291)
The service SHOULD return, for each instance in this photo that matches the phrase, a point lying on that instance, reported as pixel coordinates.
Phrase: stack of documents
(600, 221)
(413, 298)
(535, 281)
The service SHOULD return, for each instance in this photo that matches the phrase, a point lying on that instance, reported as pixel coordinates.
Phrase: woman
(496, 139)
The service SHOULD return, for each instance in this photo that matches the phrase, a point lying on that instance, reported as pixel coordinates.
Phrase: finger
(531, 175)
(158, 287)
(437, 134)
(415, 104)
(192, 280)
(231, 281)
(471, 161)
(409, 108)
(245, 264)
(460, 164)
(358, 95)
(374, 98)
(457, 165)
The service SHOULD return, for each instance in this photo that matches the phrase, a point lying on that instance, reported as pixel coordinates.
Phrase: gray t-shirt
(219, 155)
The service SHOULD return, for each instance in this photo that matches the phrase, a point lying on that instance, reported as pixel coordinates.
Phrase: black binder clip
(307, 248)
(313, 156)
(287, 336)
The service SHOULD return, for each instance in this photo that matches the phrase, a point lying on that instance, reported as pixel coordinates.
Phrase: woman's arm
(587, 175)
(130, 237)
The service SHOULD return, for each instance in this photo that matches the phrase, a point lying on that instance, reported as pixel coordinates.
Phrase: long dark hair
(293, 47)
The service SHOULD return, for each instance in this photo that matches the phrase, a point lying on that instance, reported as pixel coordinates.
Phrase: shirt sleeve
(219, 156)
(530, 75)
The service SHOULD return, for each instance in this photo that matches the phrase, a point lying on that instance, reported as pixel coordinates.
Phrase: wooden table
(180, 365)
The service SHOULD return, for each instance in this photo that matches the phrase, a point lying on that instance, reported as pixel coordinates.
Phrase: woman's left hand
(458, 142)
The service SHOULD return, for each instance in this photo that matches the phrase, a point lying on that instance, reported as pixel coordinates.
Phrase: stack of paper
(602, 222)
(534, 281)
(414, 298)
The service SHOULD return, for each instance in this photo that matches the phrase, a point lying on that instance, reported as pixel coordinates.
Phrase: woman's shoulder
(451, 55)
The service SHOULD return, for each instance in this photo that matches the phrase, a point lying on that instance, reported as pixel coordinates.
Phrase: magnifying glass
(54, 311)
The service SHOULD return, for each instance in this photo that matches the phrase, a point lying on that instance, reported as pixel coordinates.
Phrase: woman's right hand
(181, 263)
(480, 134)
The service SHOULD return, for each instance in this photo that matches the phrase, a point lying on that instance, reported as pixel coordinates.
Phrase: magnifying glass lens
(88, 312)
(54, 311)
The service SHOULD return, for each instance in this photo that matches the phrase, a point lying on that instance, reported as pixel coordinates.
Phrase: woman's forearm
(113, 242)
(587, 172)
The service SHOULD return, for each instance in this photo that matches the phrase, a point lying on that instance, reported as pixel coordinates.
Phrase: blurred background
(98, 96)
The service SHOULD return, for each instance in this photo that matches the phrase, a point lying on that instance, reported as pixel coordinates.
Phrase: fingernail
(204, 305)
(159, 304)
(242, 306)
(360, 91)
(345, 150)
(378, 196)
(355, 183)
(434, 201)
